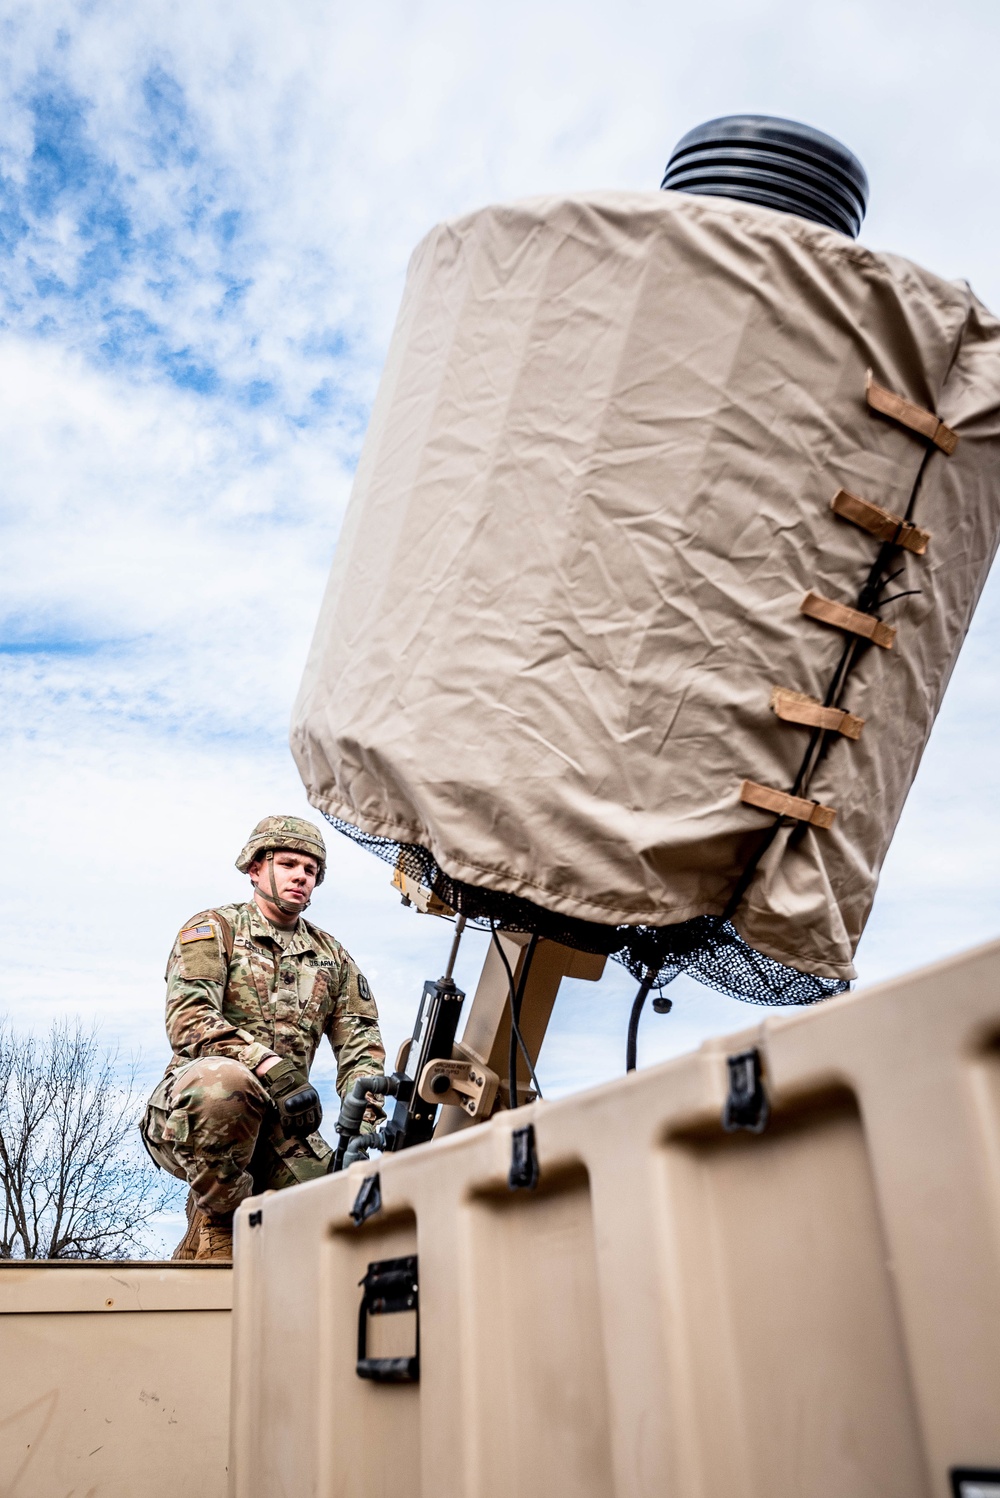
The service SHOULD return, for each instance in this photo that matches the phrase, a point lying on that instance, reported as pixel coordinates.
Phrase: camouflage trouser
(211, 1124)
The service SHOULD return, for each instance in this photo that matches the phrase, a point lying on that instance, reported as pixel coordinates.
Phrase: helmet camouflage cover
(272, 833)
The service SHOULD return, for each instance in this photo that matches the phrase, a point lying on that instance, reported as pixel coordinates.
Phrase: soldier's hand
(295, 1098)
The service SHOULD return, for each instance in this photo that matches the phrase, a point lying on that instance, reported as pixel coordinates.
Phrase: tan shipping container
(114, 1379)
(812, 1311)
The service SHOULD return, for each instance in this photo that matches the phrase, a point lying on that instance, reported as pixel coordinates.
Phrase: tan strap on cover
(762, 796)
(839, 616)
(898, 408)
(797, 707)
(878, 522)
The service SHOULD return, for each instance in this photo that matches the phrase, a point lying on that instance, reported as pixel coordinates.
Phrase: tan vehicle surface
(114, 1379)
(812, 1311)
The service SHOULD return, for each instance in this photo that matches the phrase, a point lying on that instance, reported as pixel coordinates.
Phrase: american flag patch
(197, 933)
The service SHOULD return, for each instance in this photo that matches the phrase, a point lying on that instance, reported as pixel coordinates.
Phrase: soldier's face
(294, 876)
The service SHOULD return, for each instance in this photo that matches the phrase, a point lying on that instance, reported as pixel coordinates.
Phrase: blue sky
(205, 218)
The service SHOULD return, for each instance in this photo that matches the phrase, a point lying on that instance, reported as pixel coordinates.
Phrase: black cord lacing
(869, 601)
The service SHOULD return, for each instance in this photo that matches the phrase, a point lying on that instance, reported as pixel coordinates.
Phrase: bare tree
(76, 1184)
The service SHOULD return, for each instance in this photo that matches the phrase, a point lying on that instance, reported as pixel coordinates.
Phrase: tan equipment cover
(596, 490)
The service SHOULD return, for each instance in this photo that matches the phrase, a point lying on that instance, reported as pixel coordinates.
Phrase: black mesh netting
(708, 947)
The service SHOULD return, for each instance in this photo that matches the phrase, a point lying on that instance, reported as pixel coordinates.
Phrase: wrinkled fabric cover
(595, 489)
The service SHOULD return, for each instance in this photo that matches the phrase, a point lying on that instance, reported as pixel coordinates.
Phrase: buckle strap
(853, 621)
(797, 707)
(796, 807)
(915, 418)
(882, 524)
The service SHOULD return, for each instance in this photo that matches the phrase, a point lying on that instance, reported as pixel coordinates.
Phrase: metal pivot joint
(461, 1084)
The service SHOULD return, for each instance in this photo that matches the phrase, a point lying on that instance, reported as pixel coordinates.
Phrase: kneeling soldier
(251, 991)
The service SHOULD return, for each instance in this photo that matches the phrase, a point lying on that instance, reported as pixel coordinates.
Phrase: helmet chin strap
(273, 898)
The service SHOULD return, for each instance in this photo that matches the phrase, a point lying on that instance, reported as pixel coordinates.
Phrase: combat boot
(187, 1248)
(215, 1241)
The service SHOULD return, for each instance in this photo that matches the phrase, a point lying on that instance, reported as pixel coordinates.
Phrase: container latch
(368, 1200)
(391, 1286)
(746, 1105)
(523, 1174)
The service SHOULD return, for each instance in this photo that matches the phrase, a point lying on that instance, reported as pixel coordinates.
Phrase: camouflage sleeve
(354, 1032)
(196, 979)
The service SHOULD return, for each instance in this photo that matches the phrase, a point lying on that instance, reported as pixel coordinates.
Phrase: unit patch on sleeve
(197, 933)
(200, 954)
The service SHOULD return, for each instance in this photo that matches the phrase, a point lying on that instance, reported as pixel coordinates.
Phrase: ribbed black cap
(777, 163)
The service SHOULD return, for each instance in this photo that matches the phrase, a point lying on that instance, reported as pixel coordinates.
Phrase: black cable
(515, 1008)
(515, 1027)
(895, 597)
(516, 995)
(631, 1044)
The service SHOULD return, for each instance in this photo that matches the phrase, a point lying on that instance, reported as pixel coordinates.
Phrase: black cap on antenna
(777, 163)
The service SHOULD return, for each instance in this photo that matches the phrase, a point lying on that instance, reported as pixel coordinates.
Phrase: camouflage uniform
(240, 990)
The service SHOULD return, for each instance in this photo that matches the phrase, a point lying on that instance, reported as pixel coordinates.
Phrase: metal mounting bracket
(463, 1084)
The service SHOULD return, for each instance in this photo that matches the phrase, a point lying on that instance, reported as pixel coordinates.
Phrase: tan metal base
(486, 1038)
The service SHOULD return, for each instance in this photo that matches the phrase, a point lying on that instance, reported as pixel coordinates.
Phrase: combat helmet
(272, 833)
